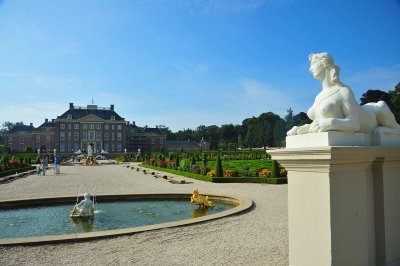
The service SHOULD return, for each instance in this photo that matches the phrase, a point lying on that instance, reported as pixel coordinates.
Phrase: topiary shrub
(219, 172)
(275, 169)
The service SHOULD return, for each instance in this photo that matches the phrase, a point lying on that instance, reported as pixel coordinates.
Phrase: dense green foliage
(395, 100)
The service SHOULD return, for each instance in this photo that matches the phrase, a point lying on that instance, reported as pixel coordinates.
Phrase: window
(69, 147)
(153, 141)
(69, 136)
(119, 136)
(91, 126)
(106, 127)
(84, 136)
(47, 139)
(106, 136)
(112, 127)
(84, 126)
(113, 117)
(62, 147)
(76, 146)
(69, 116)
(112, 137)
(62, 135)
(106, 147)
(161, 141)
(37, 138)
(76, 126)
(119, 147)
(62, 126)
(10, 140)
(69, 126)
(91, 135)
(98, 136)
(112, 146)
(98, 126)
(119, 127)
(76, 135)
(21, 140)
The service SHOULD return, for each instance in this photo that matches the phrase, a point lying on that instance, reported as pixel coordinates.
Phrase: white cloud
(382, 78)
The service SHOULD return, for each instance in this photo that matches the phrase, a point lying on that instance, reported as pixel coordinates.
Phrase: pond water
(55, 220)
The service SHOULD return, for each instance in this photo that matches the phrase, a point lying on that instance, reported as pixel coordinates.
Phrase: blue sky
(185, 63)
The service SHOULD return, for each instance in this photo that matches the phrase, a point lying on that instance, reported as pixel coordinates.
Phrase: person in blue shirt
(57, 164)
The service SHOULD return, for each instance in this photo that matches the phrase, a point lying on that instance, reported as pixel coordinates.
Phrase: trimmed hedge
(14, 170)
(176, 172)
(268, 180)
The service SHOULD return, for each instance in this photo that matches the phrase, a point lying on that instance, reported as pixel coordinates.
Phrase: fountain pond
(46, 220)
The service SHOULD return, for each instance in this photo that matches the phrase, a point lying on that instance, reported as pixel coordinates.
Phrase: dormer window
(113, 117)
(69, 116)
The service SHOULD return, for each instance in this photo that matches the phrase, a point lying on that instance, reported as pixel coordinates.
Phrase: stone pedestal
(344, 205)
(334, 138)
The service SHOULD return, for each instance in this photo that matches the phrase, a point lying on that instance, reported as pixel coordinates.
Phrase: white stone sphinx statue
(336, 109)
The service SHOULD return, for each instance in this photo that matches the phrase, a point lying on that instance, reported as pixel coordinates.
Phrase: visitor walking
(57, 164)
(45, 164)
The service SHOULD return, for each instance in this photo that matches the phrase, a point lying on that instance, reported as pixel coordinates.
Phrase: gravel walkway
(256, 237)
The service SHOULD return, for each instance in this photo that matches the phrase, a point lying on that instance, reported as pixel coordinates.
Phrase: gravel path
(256, 237)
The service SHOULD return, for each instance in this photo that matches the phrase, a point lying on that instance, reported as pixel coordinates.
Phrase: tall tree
(289, 119)
(301, 119)
(395, 101)
(268, 130)
(7, 126)
(214, 136)
(166, 131)
(374, 96)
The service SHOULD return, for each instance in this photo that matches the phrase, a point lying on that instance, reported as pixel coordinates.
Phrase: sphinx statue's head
(322, 63)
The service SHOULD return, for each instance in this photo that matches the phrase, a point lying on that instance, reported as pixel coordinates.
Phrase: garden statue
(85, 208)
(90, 151)
(336, 109)
(201, 201)
(90, 160)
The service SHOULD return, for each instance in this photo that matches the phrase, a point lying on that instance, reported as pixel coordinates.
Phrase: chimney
(133, 123)
(46, 120)
(52, 120)
(31, 124)
(71, 105)
(112, 107)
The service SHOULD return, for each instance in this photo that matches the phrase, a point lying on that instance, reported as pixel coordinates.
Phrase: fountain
(200, 200)
(90, 159)
(83, 210)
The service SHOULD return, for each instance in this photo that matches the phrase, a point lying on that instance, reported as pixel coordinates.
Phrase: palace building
(79, 127)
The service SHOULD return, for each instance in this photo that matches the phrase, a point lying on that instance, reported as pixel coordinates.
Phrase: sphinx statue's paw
(387, 130)
(293, 131)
